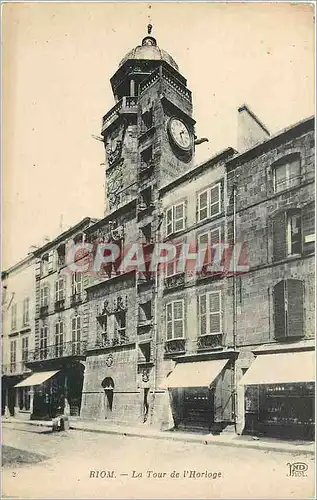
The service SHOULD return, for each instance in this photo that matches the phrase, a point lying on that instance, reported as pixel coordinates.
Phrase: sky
(57, 62)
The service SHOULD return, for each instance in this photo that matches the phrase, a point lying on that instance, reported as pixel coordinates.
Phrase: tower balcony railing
(127, 104)
(55, 351)
(174, 82)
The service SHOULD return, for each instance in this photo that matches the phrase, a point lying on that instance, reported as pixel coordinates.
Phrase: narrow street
(93, 465)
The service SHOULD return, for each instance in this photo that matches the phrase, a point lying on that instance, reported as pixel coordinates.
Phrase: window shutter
(203, 248)
(279, 310)
(179, 216)
(203, 206)
(202, 314)
(308, 227)
(169, 221)
(295, 308)
(215, 205)
(279, 236)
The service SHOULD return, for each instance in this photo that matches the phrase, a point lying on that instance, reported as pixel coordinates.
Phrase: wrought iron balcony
(119, 338)
(211, 341)
(59, 305)
(62, 350)
(127, 104)
(175, 346)
(175, 281)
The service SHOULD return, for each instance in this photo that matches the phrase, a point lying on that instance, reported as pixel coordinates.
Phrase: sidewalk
(229, 439)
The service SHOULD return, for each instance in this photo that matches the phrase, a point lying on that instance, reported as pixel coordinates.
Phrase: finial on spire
(149, 28)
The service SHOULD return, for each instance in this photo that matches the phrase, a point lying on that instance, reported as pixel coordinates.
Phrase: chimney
(250, 129)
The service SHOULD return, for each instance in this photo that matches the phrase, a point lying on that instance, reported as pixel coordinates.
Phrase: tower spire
(149, 39)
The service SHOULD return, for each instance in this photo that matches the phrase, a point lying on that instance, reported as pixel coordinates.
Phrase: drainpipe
(234, 309)
(157, 232)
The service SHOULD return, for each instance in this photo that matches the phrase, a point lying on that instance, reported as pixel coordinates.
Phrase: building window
(175, 320)
(25, 349)
(206, 242)
(76, 335)
(288, 296)
(51, 262)
(44, 296)
(14, 316)
(59, 339)
(43, 342)
(120, 327)
(293, 232)
(59, 289)
(13, 355)
(26, 307)
(308, 227)
(175, 218)
(61, 255)
(172, 267)
(44, 264)
(209, 202)
(209, 313)
(77, 283)
(286, 172)
(147, 119)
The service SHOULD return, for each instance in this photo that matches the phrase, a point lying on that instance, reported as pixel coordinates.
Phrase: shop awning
(196, 374)
(36, 378)
(286, 367)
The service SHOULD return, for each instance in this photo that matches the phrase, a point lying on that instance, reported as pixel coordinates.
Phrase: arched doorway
(108, 386)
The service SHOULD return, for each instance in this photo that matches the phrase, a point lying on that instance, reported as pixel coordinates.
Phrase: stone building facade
(173, 346)
(18, 325)
(59, 336)
(262, 202)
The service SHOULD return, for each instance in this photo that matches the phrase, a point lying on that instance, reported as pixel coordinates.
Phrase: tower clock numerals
(180, 133)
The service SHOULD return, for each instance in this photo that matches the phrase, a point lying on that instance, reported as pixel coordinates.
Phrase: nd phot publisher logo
(297, 469)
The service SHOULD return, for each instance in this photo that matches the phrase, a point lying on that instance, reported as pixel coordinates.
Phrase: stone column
(240, 409)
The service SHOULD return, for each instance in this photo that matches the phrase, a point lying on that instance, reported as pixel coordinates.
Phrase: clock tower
(149, 132)
(149, 141)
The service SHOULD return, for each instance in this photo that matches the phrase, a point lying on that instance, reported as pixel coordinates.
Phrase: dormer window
(286, 172)
(61, 252)
(44, 264)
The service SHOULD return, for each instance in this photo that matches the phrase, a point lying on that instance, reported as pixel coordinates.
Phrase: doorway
(198, 408)
(108, 386)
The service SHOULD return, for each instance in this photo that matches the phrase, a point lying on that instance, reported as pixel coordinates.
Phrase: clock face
(180, 133)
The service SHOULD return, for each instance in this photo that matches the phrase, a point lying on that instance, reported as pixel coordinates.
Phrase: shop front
(53, 392)
(278, 396)
(200, 395)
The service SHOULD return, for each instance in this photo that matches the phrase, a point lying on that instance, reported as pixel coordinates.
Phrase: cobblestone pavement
(91, 465)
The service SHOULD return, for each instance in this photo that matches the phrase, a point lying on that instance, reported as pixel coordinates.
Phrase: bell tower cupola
(149, 132)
